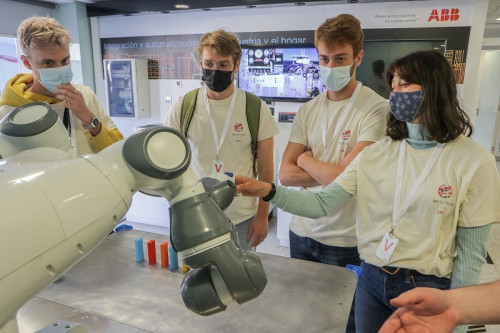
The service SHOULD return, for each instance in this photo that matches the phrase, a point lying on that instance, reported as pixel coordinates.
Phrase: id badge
(386, 247)
(217, 167)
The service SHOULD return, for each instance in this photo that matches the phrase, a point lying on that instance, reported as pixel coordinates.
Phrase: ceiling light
(181, 6)
(497, 19)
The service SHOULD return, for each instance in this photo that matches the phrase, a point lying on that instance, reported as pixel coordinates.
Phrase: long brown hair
(440, 112)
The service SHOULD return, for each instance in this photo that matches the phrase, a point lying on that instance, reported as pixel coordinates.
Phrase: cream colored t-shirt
(453, 194)
(365, 121)
(235, 151)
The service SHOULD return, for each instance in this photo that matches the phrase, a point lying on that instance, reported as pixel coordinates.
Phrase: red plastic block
(152, 252)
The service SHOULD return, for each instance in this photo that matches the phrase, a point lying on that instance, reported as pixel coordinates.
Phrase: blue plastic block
(173, 257)
(356, 269)
(123, 227)
(139, 250)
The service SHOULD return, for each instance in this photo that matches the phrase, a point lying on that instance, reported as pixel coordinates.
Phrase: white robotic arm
(56, 209)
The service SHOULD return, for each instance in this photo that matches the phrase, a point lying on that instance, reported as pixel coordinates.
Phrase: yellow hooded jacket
(15, 94)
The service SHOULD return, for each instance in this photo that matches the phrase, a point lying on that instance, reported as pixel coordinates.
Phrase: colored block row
(167, 253)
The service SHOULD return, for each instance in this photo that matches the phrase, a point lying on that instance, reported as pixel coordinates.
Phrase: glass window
(10, 64)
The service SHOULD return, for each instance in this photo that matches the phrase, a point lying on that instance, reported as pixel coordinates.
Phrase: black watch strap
(271, 194)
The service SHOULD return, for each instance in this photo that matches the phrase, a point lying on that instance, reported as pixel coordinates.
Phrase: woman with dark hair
(427, 195)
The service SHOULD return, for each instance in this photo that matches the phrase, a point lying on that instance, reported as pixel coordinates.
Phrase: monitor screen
(279, 73)
(292, 74)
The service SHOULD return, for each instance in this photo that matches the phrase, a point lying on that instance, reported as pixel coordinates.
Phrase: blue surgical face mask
(404, 105)
(51, 78)
(336, 78)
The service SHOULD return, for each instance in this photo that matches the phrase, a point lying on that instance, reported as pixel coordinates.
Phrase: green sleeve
(308, 203)
(471, 255)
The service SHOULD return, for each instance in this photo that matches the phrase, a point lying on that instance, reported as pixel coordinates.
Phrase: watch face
(93, 123)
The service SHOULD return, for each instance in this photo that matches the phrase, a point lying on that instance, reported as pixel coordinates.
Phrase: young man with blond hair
(45, 46)
(219, 132)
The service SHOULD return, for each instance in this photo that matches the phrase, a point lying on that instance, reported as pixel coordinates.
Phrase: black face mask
(217, 80)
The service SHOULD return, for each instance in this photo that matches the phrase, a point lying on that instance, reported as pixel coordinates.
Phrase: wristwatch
(271, 194)
(93, 124)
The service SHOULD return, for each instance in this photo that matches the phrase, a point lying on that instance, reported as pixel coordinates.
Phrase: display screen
(292, 74)
(274, 73)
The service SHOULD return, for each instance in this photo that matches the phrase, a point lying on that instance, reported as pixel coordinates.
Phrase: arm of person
(431, 310)
(74, 100)
(471, 255)
(423, 310)
(290, 173)
(303, 203)
(258, 229)
(106, 137)
(102, 136)
(324, 172)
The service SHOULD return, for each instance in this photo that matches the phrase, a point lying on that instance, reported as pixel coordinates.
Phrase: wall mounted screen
(276, 73)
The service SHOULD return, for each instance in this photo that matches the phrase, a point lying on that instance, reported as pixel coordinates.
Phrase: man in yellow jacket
(45, 46)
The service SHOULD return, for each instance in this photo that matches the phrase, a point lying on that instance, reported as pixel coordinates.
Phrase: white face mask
(51, 78)
(336, 78)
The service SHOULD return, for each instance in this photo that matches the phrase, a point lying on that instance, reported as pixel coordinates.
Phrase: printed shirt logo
(346, 135)
(445, 191)
(238, 127)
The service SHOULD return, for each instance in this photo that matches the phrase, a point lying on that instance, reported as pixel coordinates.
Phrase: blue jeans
(376, 288)
(242, 229)
(306, 248)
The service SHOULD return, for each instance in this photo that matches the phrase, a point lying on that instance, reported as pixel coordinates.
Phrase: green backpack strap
(253, 120)
(187, 110)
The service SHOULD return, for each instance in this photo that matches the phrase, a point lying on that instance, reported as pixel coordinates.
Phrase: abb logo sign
(447, 14)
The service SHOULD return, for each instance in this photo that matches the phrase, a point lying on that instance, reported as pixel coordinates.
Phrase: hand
(303, 158)
(250, 187)
(258, 230)
(74, 100)
(422, 310)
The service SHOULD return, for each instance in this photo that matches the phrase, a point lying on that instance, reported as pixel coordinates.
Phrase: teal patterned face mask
(404, 105)
(51, 78)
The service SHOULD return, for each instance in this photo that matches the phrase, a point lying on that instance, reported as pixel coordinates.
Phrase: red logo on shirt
(238, 127)
(346, 135)
(445, 191)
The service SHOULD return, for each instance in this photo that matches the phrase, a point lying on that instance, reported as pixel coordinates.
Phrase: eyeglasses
(222, 66)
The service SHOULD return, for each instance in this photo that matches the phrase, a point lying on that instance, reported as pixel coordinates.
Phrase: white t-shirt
(235, 152)
(453, 194)
(365, 121)
(79, 134)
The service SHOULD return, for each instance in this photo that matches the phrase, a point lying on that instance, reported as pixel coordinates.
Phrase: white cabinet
(127, 87)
